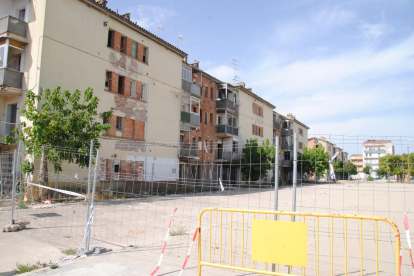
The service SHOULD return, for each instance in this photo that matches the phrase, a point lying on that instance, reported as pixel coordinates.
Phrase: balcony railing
(11, 78)
(227, 155)
(189, 150)
(6, 129)
(10, 24)
(276, 125)
(190, 118)
(224, 103)
(286, 163)
(227, 130)
(287, 131)
(287, 147)
(372, 151)
(191, 87)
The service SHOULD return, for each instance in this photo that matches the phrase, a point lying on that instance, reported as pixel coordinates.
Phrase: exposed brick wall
(139, 130)
(128, 170)
(129, 47)
(113, 84)
(127, 87)
(117, 41)
(112, 123)
(127, 128)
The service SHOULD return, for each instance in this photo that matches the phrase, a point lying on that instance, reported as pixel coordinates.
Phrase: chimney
(102, 2)
(127, 16)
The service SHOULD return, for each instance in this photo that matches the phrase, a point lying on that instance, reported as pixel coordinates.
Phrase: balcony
(375, 151)
(287, 131)
(227, 155)
(189, 151)
(11, 78)
(191, 87)
(287, 147)
(13, 28)
(227, 104)
(6, 129)
(226, 130)
(276, 125)
(190, 118)
(286, 163)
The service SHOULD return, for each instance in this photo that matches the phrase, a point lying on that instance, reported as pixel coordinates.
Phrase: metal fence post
(89, 185)
(13, 187)
(295, 170)
(93, 195)
(276, 183)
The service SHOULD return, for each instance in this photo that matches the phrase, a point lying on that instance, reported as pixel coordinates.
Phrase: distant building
(357, 159)
(373, 150)
(329, 147)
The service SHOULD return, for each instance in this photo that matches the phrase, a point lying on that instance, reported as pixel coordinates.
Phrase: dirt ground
(141, 224)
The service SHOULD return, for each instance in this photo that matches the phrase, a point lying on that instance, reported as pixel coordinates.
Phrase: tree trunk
(43, 174)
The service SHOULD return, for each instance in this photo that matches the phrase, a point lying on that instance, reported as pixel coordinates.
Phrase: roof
(356, 155)
(134, 26)
(374, 142)
(249, 92)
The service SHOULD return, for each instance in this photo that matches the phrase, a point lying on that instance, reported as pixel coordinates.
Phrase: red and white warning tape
(165, 244)
(407, 233)
(189, 251)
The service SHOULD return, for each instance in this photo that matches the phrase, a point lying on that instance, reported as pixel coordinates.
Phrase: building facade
(357, 160)
(373, 150)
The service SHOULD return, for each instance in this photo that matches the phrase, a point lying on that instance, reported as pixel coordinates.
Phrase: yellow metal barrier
(281, 240)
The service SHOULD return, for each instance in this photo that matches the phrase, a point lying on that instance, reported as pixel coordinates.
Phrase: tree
(351, 168)
(396, 165)
(367, 169)
(257, 160)
(307, 161)
(65, 120)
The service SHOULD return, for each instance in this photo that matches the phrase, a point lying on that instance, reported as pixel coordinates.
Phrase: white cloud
(222, 72)
(373, 31)
(149, 17)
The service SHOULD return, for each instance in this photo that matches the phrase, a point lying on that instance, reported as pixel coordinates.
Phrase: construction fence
(134, 187)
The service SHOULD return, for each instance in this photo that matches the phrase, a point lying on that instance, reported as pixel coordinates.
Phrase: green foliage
(351, 168)
(397, 165)
(23, 268)
(69, 251)
(366, 169)
(308, 160)
(381, 173)
(21, 205)
(54, 266)
(27, 167)
(65, 120)
(257, 160)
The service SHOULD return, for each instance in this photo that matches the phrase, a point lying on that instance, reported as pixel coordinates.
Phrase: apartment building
(373, 150)
(357, 159)
(330, 148)
(285, 127)
(79, 44)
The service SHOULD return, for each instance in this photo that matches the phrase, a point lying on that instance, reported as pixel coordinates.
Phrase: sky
(343, 68)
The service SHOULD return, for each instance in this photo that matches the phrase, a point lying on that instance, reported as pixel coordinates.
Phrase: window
(301, 131)
(186, 73)
(211, 93)
(201, 115)
(22, 14)
(117, 168)
(145, 55)
(123, 44)
(256, 130)
(133, 89)
(206, 92)
(211, 146)
(121, 80)
(258, 110)
(205, 117)
(144, 92)
(211, 118)
(105, 121)
(2, 57)
(300, 145)
(119, 123)
(199, 143)
(108, 80)
(111, 35)
(134, 49)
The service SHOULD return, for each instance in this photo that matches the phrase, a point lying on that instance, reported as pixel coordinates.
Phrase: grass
(178, 230)
(23, 268)
(21, 205)
(69, 251)
(54, 266)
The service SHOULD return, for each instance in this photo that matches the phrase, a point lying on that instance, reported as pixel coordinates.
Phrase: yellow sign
(279, 242)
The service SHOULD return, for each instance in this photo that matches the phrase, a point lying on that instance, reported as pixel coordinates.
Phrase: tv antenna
(159, 28)
(236, 66)
(179, 37)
